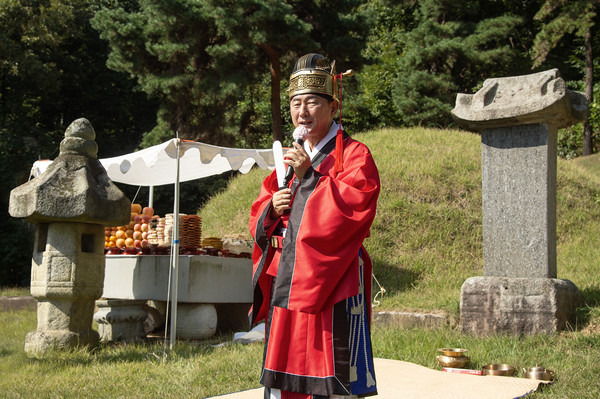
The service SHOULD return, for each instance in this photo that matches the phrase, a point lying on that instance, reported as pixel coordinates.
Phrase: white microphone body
(299, 135)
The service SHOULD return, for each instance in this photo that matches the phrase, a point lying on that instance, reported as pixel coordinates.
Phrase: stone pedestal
(61, 324)
(70, 203)
(65, 280)
(517, 306)
(120, 320)
(518, 118)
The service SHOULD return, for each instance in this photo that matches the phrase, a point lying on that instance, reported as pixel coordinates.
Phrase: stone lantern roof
(74, 188)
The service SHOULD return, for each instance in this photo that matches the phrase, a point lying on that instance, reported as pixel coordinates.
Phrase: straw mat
(398, 379)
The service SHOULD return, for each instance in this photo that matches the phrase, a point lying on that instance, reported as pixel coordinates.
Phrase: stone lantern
(70, 203)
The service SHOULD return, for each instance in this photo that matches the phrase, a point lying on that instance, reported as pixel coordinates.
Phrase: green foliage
(567, 21)
(52, 71)
(209, 67)
(164, 45)
(16, 250)
(202, 59)
(570, 140)
(453, 48)
(253, 117)
(420, 54)
(575, 16)
(197, 57)
(371, 106)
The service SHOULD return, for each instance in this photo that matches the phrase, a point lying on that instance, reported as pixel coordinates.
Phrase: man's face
(313, 112)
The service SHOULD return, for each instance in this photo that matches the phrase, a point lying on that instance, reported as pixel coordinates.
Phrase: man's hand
(298, 159)
(281, 202)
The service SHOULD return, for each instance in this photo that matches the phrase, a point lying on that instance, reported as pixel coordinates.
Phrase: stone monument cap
(519, 100)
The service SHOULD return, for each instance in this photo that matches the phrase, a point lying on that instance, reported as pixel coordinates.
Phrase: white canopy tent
(155, 166)
(172, 162)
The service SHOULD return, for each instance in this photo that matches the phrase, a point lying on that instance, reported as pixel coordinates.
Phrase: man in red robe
(312, 275)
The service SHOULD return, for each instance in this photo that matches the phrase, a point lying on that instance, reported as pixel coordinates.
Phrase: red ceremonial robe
(301, 289)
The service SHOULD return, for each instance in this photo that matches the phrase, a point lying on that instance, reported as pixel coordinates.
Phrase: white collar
(330, 135)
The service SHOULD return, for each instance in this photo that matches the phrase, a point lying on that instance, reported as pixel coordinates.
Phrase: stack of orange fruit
(132, 235)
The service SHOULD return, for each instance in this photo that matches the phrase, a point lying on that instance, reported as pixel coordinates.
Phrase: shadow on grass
(149, 350)
(5, 352)
(394, 278)
(584, 314)
(591, 296)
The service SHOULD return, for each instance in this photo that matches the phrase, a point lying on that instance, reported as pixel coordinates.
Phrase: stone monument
(518, 118)
(70, 204)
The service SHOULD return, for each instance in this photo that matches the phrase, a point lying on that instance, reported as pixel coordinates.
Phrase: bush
(570, 141)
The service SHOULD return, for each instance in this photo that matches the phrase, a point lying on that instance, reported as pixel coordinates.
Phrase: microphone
(299, 135)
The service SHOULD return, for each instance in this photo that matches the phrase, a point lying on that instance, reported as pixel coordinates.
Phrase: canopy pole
(151, 196)
(175, 254)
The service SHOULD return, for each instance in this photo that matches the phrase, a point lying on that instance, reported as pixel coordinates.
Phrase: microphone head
(300, 133)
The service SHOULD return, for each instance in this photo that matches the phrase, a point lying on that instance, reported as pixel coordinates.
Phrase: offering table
(211, 290)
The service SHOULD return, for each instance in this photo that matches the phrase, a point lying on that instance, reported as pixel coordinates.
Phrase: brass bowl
(453, 352)
(498, 369)
(539, 373)
(453, 361)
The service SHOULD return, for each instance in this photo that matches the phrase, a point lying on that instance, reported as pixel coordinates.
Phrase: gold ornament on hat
(313, 74)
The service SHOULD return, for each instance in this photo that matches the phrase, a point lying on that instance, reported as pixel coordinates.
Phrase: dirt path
(14, 303)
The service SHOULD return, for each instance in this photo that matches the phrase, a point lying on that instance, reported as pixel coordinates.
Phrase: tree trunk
(589, 91)
(275, 93)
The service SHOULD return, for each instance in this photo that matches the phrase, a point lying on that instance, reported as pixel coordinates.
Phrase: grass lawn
(198, 370)
(14, 291)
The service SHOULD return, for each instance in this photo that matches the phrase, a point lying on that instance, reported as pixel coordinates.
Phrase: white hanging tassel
(381, 291)
(370, 379)
(353, 375)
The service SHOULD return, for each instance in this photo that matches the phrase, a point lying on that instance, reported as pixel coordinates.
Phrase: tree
(265, 29)
(569, 17)
(200, 58)
(453, 48)
(165, 45)
(340, 29)
(373, 106)
(196, 57)
(52, 71)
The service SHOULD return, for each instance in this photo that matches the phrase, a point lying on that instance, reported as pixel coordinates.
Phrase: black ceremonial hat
(313, 74)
